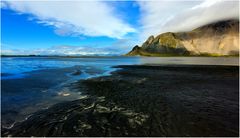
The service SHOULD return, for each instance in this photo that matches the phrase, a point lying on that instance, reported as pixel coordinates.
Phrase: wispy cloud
(173, 16)
(89, 18)
(115, 49)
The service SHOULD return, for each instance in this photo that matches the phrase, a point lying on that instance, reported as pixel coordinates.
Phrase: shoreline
(46, 88)
(143, 100)
(124, 55)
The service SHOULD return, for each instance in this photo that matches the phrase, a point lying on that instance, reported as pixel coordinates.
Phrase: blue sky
(19, 32)
(99, 27)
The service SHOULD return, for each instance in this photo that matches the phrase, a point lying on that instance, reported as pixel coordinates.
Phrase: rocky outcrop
(216, 39)
(138, 51)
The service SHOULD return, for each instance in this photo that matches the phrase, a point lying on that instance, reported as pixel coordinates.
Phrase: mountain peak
(218, 39)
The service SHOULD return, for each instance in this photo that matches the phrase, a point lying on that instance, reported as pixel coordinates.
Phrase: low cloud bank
(174, 16)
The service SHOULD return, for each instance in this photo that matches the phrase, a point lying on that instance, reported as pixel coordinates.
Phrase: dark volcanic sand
(21, 97)
(145, 101)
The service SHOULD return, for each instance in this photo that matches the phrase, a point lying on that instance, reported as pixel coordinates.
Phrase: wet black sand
(21, 97)
(145, 101)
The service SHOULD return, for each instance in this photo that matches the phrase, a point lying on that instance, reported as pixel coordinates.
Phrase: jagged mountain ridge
(220, 38)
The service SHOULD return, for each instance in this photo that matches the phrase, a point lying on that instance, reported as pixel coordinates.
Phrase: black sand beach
(176, 100)
(37, 90)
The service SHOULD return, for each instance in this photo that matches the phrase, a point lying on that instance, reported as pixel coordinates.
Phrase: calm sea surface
(15, 67)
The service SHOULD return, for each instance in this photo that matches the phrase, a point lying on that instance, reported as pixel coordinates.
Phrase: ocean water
(29, 84)
(17, 67)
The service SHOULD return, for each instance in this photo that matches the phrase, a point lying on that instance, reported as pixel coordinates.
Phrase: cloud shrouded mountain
(216, 39)
(176, 16)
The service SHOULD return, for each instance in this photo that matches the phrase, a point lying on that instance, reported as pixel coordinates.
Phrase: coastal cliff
(216, 39)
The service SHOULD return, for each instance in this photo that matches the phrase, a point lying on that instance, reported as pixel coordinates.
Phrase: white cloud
(174, 16)
(89, 18)
(65, 50)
